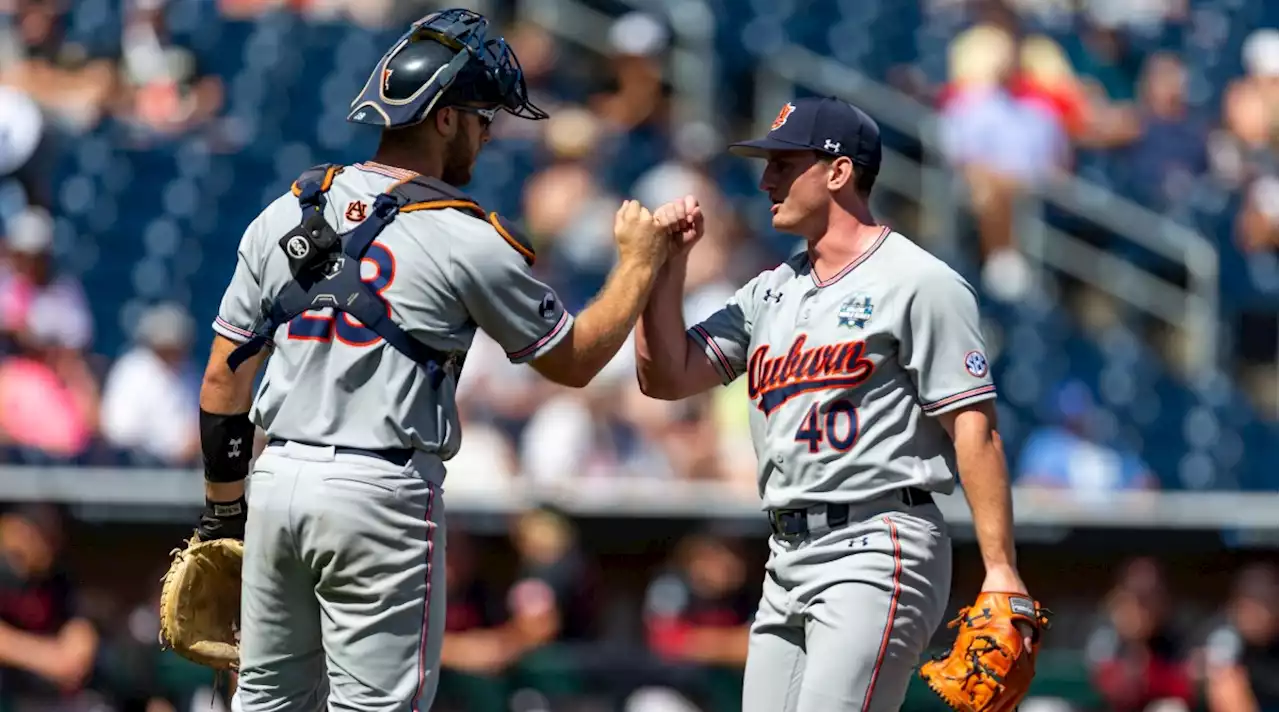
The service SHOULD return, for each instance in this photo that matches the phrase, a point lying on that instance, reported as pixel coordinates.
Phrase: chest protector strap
(326, 265)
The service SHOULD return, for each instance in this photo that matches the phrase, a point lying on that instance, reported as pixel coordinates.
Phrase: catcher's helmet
(445, 52)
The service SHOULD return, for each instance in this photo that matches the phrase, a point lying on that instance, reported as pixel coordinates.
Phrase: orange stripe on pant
(893, 611)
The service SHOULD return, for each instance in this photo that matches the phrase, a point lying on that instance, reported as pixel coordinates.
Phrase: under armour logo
(234, 451)
(770, 295)
(833, 146)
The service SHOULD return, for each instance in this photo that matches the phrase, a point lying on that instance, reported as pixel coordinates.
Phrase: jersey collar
(820, 283)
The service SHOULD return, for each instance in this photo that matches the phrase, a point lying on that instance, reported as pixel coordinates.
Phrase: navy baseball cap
(822, 124)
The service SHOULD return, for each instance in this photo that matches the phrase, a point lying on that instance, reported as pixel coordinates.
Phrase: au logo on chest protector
(856, 311)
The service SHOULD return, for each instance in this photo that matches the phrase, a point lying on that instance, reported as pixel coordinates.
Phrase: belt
(396, 456)
(792, 523)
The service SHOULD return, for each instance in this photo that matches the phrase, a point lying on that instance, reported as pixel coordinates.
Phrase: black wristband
(223, 520)
(227, 444)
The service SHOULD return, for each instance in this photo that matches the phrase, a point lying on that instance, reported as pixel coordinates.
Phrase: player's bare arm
(226, 439)
(667, 367)
(601, 329)
(985, 477)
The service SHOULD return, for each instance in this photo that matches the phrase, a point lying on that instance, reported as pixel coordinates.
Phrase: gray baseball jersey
(845, 373)
(443, 273)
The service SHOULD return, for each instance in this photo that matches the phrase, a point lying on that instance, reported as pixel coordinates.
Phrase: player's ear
(446, 121)
(840, 173)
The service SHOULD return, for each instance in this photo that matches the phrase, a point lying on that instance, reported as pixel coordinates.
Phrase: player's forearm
(983, 473)
(225, 430)
(662, 347)
(600, 330)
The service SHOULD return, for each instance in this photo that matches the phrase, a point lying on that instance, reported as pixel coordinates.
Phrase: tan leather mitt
(200, 603)
(989, 669)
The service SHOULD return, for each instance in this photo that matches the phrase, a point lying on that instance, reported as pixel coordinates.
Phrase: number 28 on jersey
(378, 270)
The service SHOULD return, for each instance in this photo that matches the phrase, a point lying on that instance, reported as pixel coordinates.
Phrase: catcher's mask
(450, 52)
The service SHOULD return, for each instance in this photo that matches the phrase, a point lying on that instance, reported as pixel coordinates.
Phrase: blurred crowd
(1021, 105)
(549, 623)
(1016, 109)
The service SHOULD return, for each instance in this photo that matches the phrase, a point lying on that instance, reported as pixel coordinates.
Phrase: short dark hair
(863, 180)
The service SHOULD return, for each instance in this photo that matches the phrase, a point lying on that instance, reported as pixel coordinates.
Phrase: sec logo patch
(976, 364)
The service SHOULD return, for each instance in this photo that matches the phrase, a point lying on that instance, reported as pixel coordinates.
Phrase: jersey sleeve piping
(973, 395)
(544, 344)
(231, 331)
(713, 353)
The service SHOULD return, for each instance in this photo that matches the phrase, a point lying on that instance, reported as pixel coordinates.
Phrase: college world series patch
(976, 364)
(855, 311)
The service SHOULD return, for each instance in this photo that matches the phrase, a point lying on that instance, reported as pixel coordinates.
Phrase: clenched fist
(682, 219)
(640, 238)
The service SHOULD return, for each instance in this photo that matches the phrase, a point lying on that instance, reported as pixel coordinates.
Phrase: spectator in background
(134, 673)
(150, 401)
(479, 642)
(48, 395)
(30, 284)
(1259, 218)
(1003, 144)
(592, 432)
(1137, 658)
(551, 607)
(1160, 166)
(1241, 656)
(46, 651)
(26, 155)
(698, 614)
(1105, 60)
(635, 108)
(164, 92)
(545, 77)
(495, 400)
(1243, 151)
(567, 210)
(1071, 456)
(65, 78)
(1045, 78)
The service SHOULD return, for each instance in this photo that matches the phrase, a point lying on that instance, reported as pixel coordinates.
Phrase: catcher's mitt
(988, 669)
(200, 602)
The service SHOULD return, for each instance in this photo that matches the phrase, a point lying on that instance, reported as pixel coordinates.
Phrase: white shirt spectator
(151, 399)
(992, 129)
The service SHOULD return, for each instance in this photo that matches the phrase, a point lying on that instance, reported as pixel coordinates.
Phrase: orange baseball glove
(989, 669)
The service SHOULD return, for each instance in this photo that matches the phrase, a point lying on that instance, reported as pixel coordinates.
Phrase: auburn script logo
(774, 381)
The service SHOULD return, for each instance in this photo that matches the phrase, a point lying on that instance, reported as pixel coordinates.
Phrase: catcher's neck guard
(447, 51)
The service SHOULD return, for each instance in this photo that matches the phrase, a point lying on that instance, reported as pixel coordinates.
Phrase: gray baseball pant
(343, 595)
(847, 613)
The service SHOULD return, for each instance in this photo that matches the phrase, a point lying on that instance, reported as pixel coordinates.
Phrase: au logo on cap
(783, 115)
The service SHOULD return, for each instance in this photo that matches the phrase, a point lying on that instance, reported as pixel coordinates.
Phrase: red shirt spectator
(1136, 658)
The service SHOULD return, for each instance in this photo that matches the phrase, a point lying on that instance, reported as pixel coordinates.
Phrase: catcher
(368, 283)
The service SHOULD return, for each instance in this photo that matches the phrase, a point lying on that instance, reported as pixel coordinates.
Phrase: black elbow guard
(227, 444)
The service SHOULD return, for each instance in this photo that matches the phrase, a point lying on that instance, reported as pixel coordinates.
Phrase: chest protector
(326, 265)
